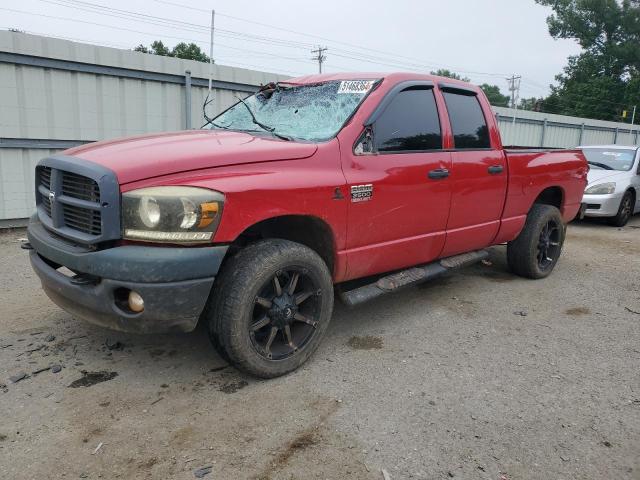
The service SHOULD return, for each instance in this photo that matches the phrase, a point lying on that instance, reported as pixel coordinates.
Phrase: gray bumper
(174, 282)
(602, 205)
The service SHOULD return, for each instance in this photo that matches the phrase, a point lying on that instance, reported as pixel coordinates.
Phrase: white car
(613, 189)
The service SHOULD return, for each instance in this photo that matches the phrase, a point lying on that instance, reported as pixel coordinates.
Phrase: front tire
(270, 308)
(535, 252)
(624, 211)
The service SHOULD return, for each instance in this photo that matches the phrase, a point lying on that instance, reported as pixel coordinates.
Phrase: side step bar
(410, 276)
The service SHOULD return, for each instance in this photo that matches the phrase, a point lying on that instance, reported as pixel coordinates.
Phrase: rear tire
(270, 307)
(535, 252)
(625, 211)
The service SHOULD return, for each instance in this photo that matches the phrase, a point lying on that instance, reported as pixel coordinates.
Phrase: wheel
(535, 252)
(624, 211)
(270, 307)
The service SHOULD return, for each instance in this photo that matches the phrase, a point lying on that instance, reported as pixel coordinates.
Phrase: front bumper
(174, 282)
(602, 205)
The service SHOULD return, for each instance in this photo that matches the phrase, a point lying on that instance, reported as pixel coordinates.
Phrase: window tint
(409, 123)
(467, 121)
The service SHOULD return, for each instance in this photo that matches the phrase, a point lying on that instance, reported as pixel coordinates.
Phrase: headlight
(601, 189)
(171, 214)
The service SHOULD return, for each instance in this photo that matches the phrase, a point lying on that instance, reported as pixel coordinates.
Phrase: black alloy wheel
(549, 244)
(285, 315)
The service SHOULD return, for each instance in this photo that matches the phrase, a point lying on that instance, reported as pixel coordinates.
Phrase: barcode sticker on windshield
(355, 86)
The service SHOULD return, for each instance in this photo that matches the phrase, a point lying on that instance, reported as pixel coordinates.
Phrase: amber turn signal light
(208, 214)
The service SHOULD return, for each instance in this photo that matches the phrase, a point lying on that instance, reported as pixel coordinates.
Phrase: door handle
(438, 173)
(494, 169)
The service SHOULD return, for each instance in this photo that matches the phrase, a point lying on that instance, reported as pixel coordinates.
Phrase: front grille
(77, 186)
(70, 201)
(78, 200)
(46, 204)
(45, 177)
(82, 219)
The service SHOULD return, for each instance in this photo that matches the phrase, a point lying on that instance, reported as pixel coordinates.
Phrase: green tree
(494, 95)
(189, 51)
(533, 103)
(603, 80)
(443, 72)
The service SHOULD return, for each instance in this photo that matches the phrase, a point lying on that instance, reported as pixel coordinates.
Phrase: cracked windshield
(304, 112)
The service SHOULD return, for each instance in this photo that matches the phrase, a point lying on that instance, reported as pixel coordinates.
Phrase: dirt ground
(479, 375)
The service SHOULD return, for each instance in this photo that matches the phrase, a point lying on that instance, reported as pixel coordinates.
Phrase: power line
(150, 34)
(309, 35)
(260, 67)
(266, 40)
(171, 23)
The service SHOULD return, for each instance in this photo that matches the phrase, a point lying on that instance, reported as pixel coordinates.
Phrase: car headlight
(171, 214)
(601, 189)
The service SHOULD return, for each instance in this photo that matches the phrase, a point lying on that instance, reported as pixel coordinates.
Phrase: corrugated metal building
(535, 129)
(55, 94)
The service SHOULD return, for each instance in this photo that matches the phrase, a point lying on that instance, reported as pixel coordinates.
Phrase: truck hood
(600, 175)
(146, 156)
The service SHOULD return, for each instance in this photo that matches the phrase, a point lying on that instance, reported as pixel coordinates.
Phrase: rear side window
(409, 123)
(467, 121)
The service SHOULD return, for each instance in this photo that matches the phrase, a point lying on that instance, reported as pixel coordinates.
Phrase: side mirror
(364, 145)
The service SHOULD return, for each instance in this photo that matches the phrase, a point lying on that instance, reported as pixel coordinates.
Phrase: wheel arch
(553, 196)
(308, 230)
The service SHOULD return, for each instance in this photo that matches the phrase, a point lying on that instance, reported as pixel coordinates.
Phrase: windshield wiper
(601, 165)
(266, 128)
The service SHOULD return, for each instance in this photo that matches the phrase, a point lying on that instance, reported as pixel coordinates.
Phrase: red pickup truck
(365, 182)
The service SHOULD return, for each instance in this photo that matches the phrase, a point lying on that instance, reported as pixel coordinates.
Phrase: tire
(625, 210)
(271, 284)
(535, 252)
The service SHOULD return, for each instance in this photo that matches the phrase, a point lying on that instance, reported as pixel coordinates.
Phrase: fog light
(136, 303)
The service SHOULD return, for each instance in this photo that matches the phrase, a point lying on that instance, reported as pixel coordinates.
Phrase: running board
(410, 276)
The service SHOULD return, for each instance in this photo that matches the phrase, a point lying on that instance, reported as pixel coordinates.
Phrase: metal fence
(535, 129)
(55, 94)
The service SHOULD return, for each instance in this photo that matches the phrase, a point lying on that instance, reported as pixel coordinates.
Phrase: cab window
(469, 126)
(410, 123)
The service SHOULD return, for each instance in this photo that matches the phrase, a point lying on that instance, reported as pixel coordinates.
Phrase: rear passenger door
(478, 175)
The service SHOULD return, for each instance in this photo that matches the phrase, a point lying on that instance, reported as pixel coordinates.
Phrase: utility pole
(320, 56)
(514, 88)
(633, 115)
(213, 17)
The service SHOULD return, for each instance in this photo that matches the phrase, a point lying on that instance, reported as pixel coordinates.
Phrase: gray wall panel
(83, 94)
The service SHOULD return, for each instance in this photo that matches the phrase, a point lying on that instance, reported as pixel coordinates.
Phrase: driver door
(399, 188)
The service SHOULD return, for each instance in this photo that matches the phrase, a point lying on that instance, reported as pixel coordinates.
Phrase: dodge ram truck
(353, 185)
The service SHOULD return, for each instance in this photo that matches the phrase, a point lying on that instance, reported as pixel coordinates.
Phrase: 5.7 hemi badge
(361, 193)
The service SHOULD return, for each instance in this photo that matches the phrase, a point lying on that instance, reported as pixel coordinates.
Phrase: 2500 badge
(361, 193)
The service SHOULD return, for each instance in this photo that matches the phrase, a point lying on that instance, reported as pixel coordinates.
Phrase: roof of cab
(394, 77)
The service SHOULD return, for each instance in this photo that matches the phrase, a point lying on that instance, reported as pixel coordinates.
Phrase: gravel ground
(479, 375)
